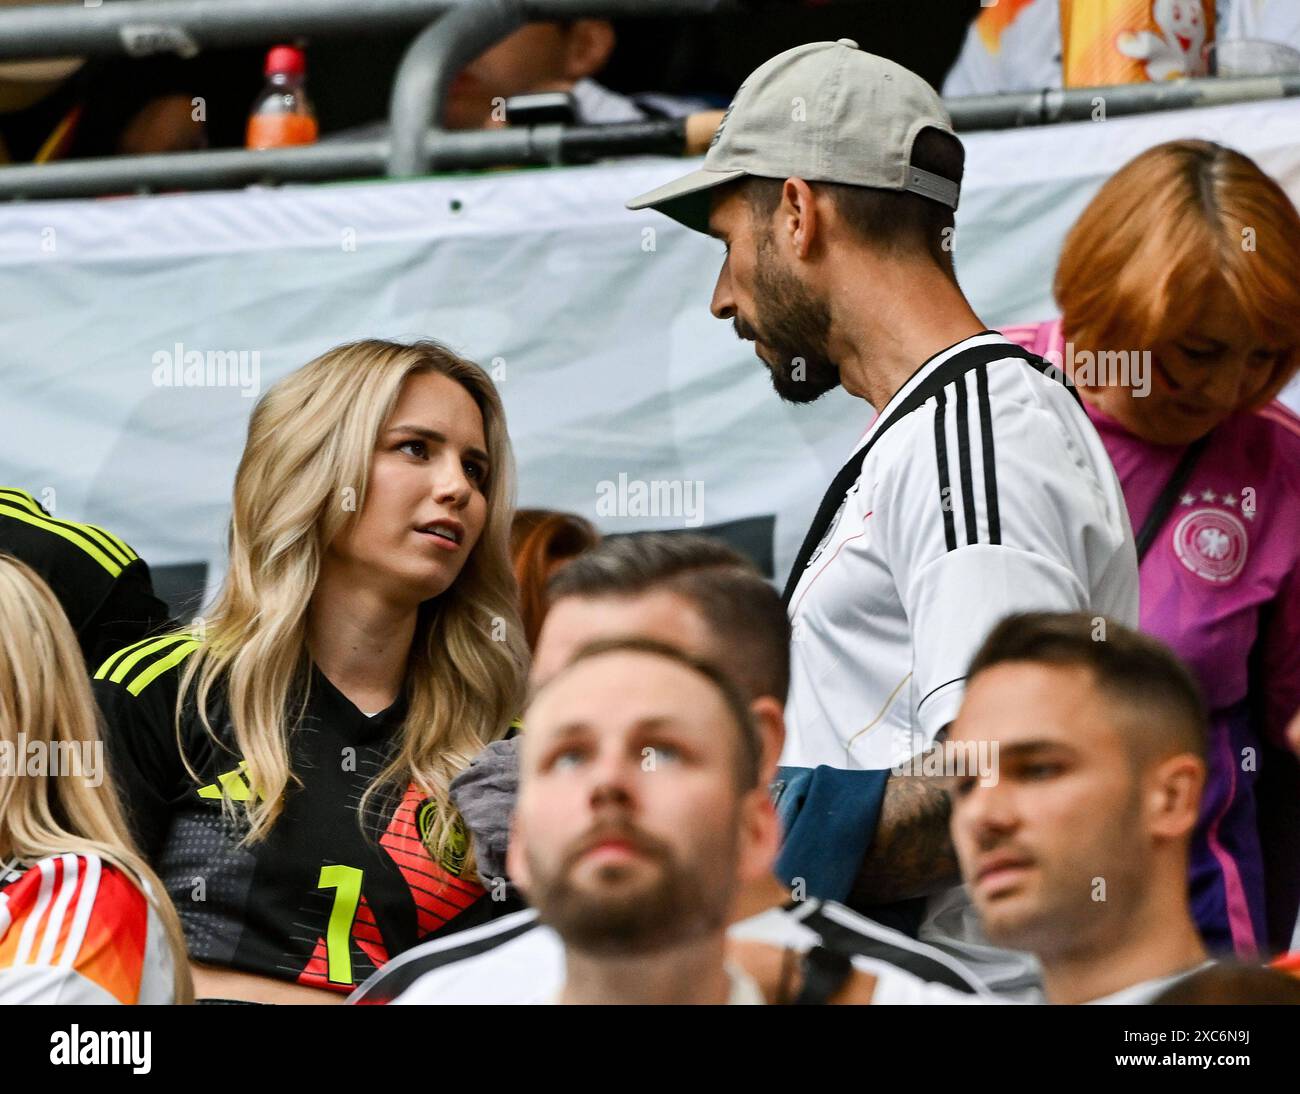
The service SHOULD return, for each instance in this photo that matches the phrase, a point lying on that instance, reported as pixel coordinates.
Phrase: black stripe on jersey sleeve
(941, 457)
(841, 938)
(402, 972)
(963, 463)
(990, 464)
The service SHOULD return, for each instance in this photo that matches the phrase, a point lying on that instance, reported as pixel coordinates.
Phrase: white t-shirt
(598, 105)
(994, 496)
(518, 960)
(1147, 990)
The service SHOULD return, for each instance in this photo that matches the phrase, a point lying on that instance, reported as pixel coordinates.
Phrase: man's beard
(795, 329)
(680, 904)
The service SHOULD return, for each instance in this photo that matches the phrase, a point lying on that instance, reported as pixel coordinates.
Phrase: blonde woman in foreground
(82, 918)
(286, 765)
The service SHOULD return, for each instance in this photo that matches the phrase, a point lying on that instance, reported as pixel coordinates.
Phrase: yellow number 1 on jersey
(346, 883)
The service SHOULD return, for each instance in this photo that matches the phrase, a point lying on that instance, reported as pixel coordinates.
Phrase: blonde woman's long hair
(45, 695)
(301, 482)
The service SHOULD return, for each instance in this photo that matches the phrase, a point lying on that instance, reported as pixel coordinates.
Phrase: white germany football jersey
(994, 495)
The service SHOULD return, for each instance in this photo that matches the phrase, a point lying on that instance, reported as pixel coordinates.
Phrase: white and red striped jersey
(76, 929)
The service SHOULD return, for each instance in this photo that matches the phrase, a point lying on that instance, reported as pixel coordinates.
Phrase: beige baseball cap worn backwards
(823, 112)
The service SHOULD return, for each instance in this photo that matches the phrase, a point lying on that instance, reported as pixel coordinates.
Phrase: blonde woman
(286, 766)
(82, 918)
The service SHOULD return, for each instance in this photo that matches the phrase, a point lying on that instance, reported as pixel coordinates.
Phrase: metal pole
(429, 65)
(543, 144)
(193, 170)
(142, 27)
(478, 149)
(1082, 103)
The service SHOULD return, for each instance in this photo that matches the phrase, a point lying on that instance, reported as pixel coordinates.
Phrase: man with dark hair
(706, 600)
(979, 488)
(689, 580)
(1155, 693)
(897, 223)
(1077, 849)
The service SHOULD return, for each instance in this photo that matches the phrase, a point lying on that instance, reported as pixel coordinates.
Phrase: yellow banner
(1134, 41)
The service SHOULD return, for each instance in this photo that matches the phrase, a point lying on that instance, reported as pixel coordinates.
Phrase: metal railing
(1114, 100)
(140, 27)
(430, 64)
(454, 32)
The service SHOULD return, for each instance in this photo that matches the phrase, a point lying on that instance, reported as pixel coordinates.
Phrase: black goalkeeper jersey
(102, 585)
(323, 900)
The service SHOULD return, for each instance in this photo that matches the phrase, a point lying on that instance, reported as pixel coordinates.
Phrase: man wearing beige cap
(978, 489)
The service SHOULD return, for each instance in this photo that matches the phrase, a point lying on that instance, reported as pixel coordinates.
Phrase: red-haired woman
(541, 541)
(1180, 323)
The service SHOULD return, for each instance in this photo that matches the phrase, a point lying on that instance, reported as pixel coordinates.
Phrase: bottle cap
(285, 60)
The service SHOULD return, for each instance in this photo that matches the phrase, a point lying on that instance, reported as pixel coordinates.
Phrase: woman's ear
(588, 44)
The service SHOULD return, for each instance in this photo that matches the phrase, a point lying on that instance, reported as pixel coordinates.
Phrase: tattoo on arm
(912, 853)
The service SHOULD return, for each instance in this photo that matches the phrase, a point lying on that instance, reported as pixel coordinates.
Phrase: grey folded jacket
(485, 793)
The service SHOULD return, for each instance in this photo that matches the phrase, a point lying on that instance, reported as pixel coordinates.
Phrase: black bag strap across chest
(956, 367)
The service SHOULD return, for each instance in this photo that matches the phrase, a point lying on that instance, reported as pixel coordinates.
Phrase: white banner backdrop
(594, 320)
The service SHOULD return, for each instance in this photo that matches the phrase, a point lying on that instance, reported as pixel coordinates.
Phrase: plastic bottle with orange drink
(282, 114)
